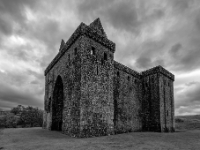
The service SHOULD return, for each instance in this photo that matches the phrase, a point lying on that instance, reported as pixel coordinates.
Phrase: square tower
(97, 69)
(158, 100)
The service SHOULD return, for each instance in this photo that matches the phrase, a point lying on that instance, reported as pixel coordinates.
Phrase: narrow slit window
(75, 51)
(135, 81)
(102, 61)
(105, 56)
(117, 73)
(97, 70)
(92, 52)
(68, 57)
(128, 78)
(49, 105)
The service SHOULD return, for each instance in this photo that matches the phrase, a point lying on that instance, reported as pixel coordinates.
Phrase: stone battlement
(158, 69)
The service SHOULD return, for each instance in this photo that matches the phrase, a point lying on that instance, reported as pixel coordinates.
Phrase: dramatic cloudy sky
(146, 32)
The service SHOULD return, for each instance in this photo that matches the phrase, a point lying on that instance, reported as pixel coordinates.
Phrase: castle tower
(97, 52)
(158, 100)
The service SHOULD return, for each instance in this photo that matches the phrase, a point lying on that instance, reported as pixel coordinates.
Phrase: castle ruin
(88, 93)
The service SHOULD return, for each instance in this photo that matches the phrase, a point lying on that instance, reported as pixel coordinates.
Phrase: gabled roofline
(85, 30)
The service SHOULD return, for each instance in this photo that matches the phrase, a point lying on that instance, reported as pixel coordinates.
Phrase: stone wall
(150, 102)
(166, 104)
(158, 102)
(127, 99)
(68, 67)
(96, 89)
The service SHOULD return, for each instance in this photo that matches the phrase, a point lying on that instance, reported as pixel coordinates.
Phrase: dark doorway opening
(57, 105)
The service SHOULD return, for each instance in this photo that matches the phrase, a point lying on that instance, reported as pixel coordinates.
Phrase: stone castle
(87, 93)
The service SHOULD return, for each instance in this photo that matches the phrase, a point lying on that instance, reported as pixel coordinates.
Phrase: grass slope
(186, 138)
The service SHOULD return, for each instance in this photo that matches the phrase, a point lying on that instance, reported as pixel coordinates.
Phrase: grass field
(187, 137)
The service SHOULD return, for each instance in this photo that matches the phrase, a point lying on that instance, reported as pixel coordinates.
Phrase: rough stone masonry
(87, 93)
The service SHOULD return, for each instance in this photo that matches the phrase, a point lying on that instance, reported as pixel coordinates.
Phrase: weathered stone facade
(87, 93)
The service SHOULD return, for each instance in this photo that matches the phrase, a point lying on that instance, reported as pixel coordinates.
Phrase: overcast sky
(146, 32)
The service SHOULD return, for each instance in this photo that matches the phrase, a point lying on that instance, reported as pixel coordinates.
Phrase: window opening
(135, 81)
(102, 61)
(105, 56)
(68, 57)
(75, 51)
(49, 105)
(97, 70)
(92, 52)
(118, 73)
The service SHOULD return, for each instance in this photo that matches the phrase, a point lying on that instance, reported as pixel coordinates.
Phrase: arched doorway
(57, 105)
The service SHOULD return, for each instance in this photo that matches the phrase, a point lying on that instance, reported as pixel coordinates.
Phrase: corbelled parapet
(158, 69)
(85, 30)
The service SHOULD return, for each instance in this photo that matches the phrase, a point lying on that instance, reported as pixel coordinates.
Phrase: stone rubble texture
(88, 94)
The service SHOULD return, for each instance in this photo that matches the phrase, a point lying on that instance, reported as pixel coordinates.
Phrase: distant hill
(187, 122)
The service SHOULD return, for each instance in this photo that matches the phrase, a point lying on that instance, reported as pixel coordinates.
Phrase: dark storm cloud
(11, 11)
(47, 31)
(186, 60)
(19, 52)
(188, 110)
(197, 21)
(192, 83)
(190, 95)
(143, 62)
(14, 90)
(37, 75)
(5, 26)
(43, 31)
(175, 49)
(181, 5)
(17, 96)
(122, 15)
(35, 82)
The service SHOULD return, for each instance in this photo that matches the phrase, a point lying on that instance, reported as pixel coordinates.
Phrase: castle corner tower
(97, 110)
